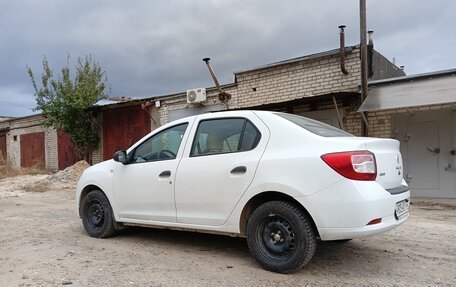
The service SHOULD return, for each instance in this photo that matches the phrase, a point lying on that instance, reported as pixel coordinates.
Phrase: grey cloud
(155, 47)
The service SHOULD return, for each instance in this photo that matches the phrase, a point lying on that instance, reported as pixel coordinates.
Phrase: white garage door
(428, 151)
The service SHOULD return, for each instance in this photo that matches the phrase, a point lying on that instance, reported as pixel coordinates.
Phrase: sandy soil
(43, 243)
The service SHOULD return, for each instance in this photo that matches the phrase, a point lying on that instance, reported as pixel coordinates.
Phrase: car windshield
(314, 126)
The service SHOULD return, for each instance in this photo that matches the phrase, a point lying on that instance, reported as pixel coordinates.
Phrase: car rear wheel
(281, 237)
(96, 213)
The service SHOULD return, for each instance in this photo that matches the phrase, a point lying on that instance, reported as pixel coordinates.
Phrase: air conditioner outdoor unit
(196, 95)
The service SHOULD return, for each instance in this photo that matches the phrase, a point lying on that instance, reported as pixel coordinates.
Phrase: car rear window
(314, 126)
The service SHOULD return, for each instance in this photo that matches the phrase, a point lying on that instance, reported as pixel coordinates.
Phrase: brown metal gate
(67, 155)
(32, 150)
(2, 149)
(122, 127)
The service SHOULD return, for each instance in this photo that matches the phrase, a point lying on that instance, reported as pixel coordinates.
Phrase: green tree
(65, 101)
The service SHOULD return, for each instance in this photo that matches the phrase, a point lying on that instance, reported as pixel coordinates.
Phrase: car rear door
(217, 167)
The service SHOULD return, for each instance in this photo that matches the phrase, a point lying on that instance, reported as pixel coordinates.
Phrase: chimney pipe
(364, 66)
(370, 53)
(222, 95)
(342, 49)
(394, 61)
(370, 37)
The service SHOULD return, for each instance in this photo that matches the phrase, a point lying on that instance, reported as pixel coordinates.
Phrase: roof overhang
(410, 92)
(303, 100)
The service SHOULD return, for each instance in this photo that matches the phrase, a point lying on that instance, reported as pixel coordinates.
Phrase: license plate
(402, 209)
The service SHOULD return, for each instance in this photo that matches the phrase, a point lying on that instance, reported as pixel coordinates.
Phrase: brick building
(420, 112)
(26, 142)
(308, 85)
(312, 86)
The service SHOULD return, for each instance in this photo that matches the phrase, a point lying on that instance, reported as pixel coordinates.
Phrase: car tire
(97, 216)
(281, 236)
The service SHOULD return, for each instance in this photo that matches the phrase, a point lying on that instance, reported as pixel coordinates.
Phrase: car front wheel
(281, 237)
(96, 213)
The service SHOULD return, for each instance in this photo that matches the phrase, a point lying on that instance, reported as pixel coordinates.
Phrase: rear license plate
(402, 209)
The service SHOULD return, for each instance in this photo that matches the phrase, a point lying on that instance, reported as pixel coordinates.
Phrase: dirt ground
(43, 243)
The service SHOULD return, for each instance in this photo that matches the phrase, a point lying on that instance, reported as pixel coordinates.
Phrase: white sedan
(281, 180)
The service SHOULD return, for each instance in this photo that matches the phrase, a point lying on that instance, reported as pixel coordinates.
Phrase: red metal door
(2, 149)
(32, 150)
(123, 127)
(67, 155)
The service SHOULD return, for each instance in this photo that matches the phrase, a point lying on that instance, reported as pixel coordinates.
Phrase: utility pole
(363, 47)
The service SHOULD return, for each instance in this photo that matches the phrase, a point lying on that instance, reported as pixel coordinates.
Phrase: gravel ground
(43, 243)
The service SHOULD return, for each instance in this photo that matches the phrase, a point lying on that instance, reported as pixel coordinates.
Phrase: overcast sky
(150, 48)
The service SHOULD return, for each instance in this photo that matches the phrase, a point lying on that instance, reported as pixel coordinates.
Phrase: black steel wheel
(96, 213)
(281, 237)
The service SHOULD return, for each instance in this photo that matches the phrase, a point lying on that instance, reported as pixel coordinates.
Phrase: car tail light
(357, 165)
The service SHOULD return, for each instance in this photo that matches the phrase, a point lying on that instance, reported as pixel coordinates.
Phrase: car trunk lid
(389, 161)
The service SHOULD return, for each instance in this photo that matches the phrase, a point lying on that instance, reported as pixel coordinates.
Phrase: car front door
(218, 165)
(144, 188)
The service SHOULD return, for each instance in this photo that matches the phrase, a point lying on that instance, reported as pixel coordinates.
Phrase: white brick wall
(380, 122)
(97, 154)
(26, 125)
(181, 103)
(300, 79)
(51, 149)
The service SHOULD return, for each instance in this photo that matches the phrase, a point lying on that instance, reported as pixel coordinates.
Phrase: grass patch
(9, 171)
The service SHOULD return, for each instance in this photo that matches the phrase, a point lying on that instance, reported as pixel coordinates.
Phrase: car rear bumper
(343, 210)
(387, 223)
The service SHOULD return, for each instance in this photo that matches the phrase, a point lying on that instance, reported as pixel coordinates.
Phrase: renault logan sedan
(281, 180)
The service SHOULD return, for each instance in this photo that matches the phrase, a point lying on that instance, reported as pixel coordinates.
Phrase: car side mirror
(121, 156)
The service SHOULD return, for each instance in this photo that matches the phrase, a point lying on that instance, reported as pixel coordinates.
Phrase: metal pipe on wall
(223, 96)
(339, 118)
(364, 67)
(342, 49)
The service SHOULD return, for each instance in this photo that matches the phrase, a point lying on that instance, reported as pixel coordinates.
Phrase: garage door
(428, 151)
(123, 127)
(32, 150)
(66, 151)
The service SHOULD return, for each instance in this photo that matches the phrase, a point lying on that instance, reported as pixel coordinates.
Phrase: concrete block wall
(26, 125)
(51, 149)
(97, 154)
(381, 123)
(305, 78)
(180, 102)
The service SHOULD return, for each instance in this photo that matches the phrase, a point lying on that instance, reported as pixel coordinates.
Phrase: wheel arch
(264, 197)
(85, 191)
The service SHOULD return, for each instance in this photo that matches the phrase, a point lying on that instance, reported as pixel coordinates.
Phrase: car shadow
(234, 246)
(333, 258)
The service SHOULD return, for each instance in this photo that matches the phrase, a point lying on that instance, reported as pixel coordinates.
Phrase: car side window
(224, 136)
(162, 146)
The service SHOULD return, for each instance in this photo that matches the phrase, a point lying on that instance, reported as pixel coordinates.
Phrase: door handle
(165, 173)
(408, 178)
(434, 150)
(239, 169)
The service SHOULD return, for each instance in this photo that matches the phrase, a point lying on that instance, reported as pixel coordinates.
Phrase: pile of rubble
(70, 174)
